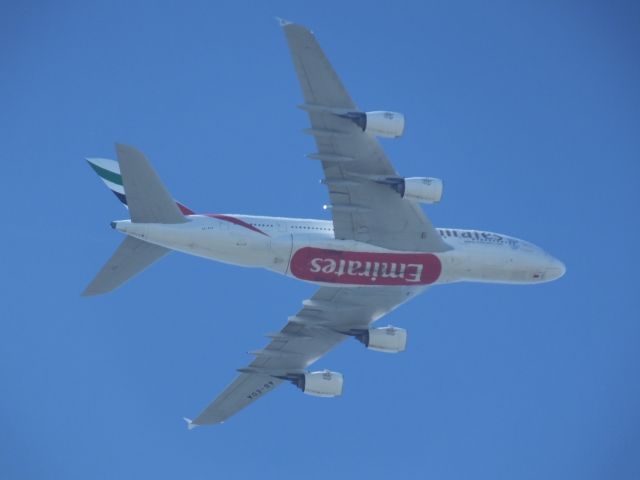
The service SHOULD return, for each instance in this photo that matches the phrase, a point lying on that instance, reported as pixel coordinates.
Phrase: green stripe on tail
(113, 177)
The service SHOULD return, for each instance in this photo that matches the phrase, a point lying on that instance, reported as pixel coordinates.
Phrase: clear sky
(529, 111)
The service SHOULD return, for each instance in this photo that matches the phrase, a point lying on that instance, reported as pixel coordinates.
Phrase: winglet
(190, 424)
(282, 22)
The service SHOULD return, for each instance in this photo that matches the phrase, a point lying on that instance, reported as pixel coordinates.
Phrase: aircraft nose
(555, 270)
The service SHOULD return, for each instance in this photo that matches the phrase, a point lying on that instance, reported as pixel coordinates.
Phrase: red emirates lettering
(365, 268)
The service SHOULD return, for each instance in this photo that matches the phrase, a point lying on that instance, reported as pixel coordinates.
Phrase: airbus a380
(378, 251)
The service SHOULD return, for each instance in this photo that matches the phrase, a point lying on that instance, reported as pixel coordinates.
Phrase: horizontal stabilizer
(131, 258)
(147, 198)
(109, 171)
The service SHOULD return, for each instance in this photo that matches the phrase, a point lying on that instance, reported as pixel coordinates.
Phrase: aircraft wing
(307, 336)
(362, 209)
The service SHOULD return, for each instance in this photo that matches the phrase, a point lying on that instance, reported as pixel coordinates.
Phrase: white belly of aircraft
(306, 250)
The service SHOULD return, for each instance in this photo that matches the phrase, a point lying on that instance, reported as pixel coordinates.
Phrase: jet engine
(380, 124)
(386, 339)
(421, 189)
(321, 384)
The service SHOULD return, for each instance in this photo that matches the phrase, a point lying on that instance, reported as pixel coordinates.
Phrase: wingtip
(282, 22)
(190, 424)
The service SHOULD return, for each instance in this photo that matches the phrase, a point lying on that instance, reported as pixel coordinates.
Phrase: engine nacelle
(422, 189)
(322, 384)
(386, 339)
(380, 124)
(384, 124)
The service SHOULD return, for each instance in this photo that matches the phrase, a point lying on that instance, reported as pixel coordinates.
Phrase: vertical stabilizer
(109, 172)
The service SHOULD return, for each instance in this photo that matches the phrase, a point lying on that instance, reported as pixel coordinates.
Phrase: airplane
(377, 252)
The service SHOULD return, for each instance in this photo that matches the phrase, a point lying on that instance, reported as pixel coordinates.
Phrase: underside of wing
(357, 172)
(326, 319)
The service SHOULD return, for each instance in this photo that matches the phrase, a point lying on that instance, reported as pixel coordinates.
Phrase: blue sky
(530, 112)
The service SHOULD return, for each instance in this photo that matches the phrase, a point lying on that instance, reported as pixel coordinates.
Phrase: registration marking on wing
(365, 268)
(259, 391)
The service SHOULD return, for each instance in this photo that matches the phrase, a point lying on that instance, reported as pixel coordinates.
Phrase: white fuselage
(307, 250)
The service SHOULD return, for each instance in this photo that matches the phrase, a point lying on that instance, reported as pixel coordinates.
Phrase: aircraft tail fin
(131, 258)
(109, 172)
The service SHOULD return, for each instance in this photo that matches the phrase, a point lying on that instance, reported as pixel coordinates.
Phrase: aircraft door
(282, 228)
